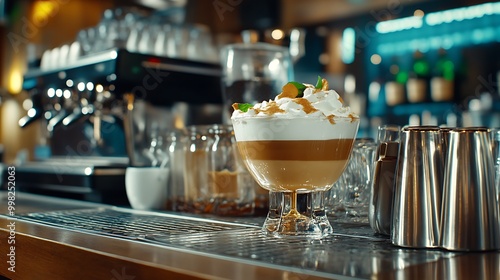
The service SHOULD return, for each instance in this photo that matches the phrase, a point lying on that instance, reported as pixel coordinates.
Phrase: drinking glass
(214, 179)
(252, 73)
(176, 142)
(195, 197)
(200, 46)
(162, 39)
(232, 188)
(146, 131)
(87, 38)
(297, 167)
(357, 180)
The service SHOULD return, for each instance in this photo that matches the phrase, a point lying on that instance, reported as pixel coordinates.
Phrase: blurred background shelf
(418, 108)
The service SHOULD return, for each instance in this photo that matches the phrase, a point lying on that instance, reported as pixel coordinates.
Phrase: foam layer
(272, 128)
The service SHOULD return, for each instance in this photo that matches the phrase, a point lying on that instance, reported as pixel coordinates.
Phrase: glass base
(308, 219)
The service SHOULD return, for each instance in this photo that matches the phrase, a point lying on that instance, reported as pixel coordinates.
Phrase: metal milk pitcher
(469, 220)
(380, 210)
(417, 197)
(382, 193)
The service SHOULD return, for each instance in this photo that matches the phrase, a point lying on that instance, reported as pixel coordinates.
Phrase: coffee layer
(298, 150)
(292, 175)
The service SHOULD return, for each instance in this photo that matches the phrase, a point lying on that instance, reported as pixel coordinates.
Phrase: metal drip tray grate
(251, 244)
(128, 224)
(352, 251)
(353, 256)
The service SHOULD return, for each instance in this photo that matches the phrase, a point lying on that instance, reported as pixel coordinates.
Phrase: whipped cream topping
(315, 103)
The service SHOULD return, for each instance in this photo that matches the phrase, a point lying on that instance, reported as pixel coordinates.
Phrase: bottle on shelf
(417, 85)
(394, 86)
(442, 82)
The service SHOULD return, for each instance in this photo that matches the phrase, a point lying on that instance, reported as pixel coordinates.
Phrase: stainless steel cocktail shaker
(380, 209)
(469, 220)
(382, 193)
(417, 199)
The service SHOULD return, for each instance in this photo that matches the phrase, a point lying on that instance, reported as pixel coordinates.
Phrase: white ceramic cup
(146, 187)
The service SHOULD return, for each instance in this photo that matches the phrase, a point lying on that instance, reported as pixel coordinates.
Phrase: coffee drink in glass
(296, 146)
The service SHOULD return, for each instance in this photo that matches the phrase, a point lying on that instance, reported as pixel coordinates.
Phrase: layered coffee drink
(299, 142)
(296, 165)
(296, 144)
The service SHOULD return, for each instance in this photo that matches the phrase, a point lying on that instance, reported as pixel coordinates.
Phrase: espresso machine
(88, 112)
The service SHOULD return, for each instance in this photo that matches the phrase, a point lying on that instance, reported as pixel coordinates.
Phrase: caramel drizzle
(287, 94)
(271, 109)
(353, 117)
(306, 105)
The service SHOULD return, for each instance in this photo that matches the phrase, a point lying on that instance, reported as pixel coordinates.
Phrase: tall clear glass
(357, 180)
(232, 187)
(253, 72)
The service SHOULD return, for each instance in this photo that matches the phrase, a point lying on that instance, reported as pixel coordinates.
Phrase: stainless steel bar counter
(52, 238)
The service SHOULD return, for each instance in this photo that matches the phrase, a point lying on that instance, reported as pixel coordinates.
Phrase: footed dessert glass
(297, 159)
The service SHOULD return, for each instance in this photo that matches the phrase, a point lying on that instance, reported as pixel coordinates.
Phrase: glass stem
(293, 205)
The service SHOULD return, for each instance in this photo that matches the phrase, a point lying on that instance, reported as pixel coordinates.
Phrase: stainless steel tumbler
(417, 197)
(380, 208)
(469, 220)
(384, 174)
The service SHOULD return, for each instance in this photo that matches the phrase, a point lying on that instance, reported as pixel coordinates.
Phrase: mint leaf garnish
(319, 83)
(244, 106)
(300, 88)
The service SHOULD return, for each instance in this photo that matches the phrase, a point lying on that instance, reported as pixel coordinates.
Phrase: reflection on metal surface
(472, 266)
(352, 251)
